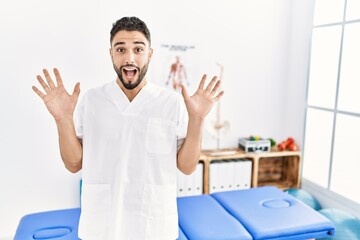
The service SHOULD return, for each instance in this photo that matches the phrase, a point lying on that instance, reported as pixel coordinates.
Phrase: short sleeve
(182, 124)
(79, 119)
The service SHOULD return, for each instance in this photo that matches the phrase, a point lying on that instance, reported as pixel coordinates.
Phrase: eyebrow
(123, 43)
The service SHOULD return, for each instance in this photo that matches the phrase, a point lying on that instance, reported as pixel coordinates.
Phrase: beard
(130, 85)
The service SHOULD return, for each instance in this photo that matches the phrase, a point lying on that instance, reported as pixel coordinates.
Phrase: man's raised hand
(200, 104)
(58, 101)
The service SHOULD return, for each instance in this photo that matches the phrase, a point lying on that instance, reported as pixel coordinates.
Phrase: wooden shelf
(275, 168)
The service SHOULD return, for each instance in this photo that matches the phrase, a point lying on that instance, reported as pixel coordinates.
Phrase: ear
(111, 52)
(150, 53)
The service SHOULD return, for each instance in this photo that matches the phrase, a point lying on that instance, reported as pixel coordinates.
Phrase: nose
(129, 58)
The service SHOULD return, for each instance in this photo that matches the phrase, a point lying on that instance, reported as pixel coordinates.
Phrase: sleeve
(79, 118)
(182, 124)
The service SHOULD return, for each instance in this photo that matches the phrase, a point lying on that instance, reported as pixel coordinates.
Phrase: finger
(76, 91)
(211, 84)
(202, 82)
(184, 91)
(48, 79)
(38, 92)
(43, 84)
(217, 98)
(58, 77)
(216, 88)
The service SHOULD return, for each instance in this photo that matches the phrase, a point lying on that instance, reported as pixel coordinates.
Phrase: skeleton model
(218, 128)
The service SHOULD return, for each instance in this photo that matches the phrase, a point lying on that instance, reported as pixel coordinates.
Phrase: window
(332, 131)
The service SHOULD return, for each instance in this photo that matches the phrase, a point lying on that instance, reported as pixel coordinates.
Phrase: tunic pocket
(160, 136)
(95, 211)
(161, 210)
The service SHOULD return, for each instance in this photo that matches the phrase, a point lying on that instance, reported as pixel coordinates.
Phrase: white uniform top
(129, 162)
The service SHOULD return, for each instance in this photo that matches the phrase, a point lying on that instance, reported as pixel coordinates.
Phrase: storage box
(261, 145)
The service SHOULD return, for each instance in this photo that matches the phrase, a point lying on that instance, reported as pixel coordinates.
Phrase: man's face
(131, 54)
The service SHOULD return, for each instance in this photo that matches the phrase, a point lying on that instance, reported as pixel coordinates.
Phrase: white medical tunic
(129, 162)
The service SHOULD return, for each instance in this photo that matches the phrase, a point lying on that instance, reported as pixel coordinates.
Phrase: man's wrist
(64, 121)
(196, 120)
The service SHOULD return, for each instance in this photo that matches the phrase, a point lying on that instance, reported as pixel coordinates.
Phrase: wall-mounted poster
(175, 64)
(177, 74)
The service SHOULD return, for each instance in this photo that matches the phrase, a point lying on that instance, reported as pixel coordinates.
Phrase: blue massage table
(256, 213)
(59, 225)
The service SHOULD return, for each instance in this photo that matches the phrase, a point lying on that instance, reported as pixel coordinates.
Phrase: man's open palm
(201, 103)
(57, 100)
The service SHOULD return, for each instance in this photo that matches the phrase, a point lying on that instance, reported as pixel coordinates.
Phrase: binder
(230, 183)
(213, 176)
(198, 180)
(222, 175)
(237, 174)
(180, 184)
(246, 174)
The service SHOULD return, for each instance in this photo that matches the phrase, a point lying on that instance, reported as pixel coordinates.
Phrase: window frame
(334, 110)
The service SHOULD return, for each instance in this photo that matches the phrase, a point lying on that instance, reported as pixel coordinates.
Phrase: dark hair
(130, 24)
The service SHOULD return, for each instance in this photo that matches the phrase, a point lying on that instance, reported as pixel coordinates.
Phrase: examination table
(256, 213)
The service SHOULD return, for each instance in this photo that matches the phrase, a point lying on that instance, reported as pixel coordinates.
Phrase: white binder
(230, 183)
(237, 171)
(180, 184)
(198, 180)
(222, 178)
(213, 176)
(246, 174)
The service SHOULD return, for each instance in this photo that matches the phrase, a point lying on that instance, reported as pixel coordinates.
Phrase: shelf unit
(276, 168)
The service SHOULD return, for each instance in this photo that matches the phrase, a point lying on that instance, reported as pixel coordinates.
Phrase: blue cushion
(347, 226)
(269, 213)
(59, 225)
(202, 217)
(304, 196)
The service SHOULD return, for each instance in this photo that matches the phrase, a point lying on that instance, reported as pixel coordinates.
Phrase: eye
(139, 50)
(120, 50)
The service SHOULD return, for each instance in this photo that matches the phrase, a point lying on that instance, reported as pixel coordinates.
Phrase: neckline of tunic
(146, 94)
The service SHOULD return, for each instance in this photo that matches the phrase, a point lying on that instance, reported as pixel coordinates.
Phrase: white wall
(298, 68)
(252, 39)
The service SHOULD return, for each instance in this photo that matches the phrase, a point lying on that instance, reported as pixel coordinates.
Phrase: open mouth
(129, 72)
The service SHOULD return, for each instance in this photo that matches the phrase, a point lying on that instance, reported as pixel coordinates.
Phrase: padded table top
(269, 213)
(202, 217)
(59, 225)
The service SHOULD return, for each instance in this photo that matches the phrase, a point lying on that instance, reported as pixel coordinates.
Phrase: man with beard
(129, 137)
